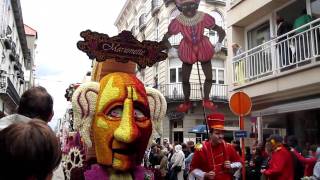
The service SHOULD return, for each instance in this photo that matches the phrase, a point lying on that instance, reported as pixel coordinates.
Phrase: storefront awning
(289, 107)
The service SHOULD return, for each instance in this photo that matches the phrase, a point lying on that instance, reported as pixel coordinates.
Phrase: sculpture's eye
(115, 112)
(139, 115)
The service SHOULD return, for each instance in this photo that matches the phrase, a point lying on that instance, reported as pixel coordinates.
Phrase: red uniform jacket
(210, 158)
(280, 165)
(308, 162)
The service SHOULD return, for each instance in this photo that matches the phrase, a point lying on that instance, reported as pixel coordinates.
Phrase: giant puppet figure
(194, 47)
(115, 117)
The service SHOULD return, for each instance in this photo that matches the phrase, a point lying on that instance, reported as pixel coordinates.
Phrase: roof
(17, 12)
(30, 31)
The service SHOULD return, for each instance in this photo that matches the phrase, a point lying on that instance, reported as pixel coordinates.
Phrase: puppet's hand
(217, 47)
(166, 43)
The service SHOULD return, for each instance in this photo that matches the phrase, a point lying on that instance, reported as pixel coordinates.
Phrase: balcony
(155, 6)
(8, 92)
(289, 53)
(174, 92)
(142, 22)
(17, 66)
(13, 57)
(20, 74)
(7, 43)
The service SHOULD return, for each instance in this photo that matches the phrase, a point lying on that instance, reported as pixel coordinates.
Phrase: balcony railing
(289, 52)
(174, 92)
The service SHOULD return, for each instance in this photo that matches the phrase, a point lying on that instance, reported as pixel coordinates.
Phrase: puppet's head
(116, 116)
(187, 7)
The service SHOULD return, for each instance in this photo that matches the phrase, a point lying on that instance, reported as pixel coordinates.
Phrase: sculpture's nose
(127, 131)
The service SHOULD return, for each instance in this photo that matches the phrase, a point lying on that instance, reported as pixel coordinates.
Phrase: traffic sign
(240, 134)
(240, 104)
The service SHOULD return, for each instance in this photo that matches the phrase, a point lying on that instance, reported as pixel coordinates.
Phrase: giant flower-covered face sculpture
(117, 117)
(122, 125)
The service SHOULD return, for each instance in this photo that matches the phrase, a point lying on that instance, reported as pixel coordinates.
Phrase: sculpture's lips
(122, 151)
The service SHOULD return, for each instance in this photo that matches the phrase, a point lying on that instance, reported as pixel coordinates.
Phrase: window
(220, 76)
(178, 137)
(217, 75)
(259, 35)
(214, 76)
(175, 75)
(178, 124)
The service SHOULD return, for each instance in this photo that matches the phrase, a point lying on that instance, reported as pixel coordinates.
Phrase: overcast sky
(59, 23)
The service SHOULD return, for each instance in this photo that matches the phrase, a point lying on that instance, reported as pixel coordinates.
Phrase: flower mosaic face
(122, 125)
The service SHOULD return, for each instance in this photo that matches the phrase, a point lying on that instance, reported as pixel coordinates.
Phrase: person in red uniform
(214, 158)
(308, 163)
(280, 166)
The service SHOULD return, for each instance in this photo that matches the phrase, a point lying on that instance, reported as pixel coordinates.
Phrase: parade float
(71, 142)
(114, 116)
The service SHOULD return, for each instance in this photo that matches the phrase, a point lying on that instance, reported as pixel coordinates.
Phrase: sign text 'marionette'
(117, 48)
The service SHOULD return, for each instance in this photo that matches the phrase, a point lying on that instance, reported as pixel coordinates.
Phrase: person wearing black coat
(285, 54)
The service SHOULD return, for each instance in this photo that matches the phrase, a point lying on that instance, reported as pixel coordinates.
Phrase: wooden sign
(123, 48)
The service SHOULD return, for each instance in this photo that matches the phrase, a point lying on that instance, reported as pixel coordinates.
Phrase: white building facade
(149, 20)
(279, 72)
(15, 55)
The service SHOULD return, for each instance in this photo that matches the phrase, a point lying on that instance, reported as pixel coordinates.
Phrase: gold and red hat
(180, 2)
(216, 121)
